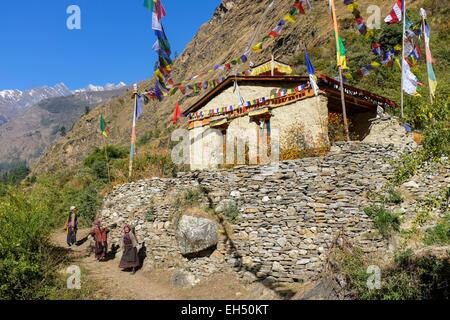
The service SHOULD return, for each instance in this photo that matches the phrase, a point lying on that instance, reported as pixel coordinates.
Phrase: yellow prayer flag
(290, 18)
(375, 64)
(398, 47)
(352, 7)
(257, 47)
(369, 34)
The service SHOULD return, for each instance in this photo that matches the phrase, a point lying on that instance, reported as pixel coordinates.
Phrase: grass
(393, 196)
(440, 234)
(231, 212)
(150, 215)
(385, 221)
(408, 277)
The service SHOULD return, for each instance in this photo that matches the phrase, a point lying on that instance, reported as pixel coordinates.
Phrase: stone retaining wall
(289, 215)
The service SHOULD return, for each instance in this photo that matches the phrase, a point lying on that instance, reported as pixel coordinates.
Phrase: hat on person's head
(72, 208)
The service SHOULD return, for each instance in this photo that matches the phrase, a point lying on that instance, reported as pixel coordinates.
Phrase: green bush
(88, 201)
(407, 278)
(16, 174)
(385, 221)
(231, 212)
(27, 266)
(440, 234)
(393, 196)
(150, 215)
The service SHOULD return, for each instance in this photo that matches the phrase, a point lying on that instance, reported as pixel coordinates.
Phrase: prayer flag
(177, 113)
(410, 81)
(311, 73)
(431, 75)
(149, 4)
(103, 128)
(396, 13)
(139, 107)
(257, 47)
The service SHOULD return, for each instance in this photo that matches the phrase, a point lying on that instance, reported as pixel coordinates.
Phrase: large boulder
(195, 235)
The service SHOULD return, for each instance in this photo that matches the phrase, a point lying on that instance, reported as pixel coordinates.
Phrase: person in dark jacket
(130, 258)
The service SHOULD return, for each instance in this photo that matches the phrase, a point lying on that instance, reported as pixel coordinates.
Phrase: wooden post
(344, 108)
(273, 65)
(402, 98)
(133, 134)
(107, 158)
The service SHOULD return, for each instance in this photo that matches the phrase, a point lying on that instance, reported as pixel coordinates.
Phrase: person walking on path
(130, 257)
(100, 236)
(72, 227)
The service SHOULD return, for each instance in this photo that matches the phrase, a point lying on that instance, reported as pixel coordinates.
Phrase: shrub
(231, 212)
(385, 221)
(27, 267)
(440, 234)
(150, 214)
(407, 278)
(16, 174)
(88, 201)
(393, 196)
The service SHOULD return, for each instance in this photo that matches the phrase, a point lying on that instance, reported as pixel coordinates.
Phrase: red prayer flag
(177, 113)
(299, 6)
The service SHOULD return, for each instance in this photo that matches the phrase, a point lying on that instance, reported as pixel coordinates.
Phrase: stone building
(246, 118)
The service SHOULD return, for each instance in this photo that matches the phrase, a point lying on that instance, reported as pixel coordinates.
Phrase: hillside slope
(221, 39)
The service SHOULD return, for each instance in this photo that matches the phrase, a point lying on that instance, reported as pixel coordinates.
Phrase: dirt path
(112, 283)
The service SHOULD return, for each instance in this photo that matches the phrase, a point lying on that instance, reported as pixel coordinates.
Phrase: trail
(115, 284)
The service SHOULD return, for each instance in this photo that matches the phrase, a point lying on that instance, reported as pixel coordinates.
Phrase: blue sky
(113, 45)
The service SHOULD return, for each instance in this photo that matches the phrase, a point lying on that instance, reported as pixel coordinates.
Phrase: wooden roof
(355, 97)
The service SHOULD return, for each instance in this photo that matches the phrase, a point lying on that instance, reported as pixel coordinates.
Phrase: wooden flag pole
(133, 135)
(402, 98)
(107, 158)
(344, 108)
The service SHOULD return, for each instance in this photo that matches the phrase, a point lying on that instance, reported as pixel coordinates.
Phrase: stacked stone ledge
(288, 216)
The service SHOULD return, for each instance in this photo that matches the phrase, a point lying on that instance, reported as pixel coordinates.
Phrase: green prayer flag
(341, 54)
(149, 4)
(103, 128)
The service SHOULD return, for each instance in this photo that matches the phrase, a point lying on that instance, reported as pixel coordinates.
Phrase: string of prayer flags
(165, 84)
(353, 7)
(162, 48)
(275, 93)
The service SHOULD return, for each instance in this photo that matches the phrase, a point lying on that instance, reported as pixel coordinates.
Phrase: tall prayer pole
(107, 158)
(133, 133)
(403, 59)
(344, 108)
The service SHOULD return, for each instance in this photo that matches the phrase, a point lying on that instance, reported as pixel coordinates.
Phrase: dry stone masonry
(288, 219)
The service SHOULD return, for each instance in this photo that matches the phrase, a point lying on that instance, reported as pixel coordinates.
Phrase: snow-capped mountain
(14, 101)
(107, 87)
